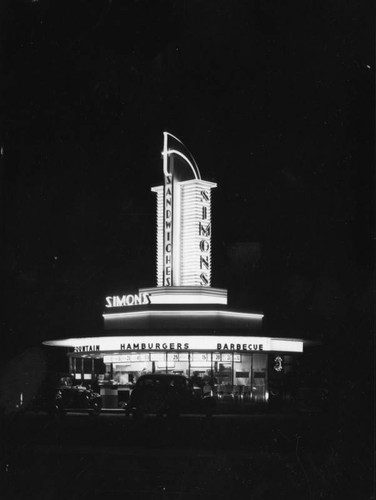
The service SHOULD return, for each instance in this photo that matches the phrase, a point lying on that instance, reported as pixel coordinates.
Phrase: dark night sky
(273, 99)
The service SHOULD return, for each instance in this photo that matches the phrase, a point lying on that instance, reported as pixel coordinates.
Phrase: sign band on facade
(140, 299)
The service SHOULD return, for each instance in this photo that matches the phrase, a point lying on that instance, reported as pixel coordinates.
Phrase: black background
(275, 102)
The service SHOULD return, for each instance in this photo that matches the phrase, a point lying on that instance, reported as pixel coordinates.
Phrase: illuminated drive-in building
(182, 325)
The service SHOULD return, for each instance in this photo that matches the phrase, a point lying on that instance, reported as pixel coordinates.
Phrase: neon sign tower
(183, 220)
(183, 324)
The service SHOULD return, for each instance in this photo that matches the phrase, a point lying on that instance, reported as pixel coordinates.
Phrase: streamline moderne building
(182, 325)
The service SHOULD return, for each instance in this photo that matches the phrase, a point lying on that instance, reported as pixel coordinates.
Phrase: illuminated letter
(130, 300)
(204, 231)
(204, 279)
(145, 298)
(109, 301)
(137, 300)
(204, 261)
(205, 195)
(120, 301)
(204, 246)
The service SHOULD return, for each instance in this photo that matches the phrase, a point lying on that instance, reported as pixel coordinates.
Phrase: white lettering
(240, 347)
(146, 298)
(128, 300)
(137, 299)
(119, 301)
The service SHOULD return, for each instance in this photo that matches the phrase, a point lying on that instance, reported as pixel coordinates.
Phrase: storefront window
(259, 382)
(233, 376)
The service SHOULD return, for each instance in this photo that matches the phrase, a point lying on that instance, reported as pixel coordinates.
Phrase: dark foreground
(256, 457)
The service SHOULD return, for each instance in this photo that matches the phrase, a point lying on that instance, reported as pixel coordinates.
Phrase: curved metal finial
(170, 149)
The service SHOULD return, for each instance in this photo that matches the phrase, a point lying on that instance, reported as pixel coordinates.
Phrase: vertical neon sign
(183, 219)
(204, 229)
(167, 215)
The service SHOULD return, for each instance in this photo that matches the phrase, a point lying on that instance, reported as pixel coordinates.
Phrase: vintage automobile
(78, 398)
(168, 394)
(67, 398)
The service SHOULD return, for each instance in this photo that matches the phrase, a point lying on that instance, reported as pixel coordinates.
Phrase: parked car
(68, 398)
(78, 398)
(172, 395)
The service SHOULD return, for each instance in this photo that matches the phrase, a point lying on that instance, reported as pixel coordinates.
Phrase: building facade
(183, 325)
